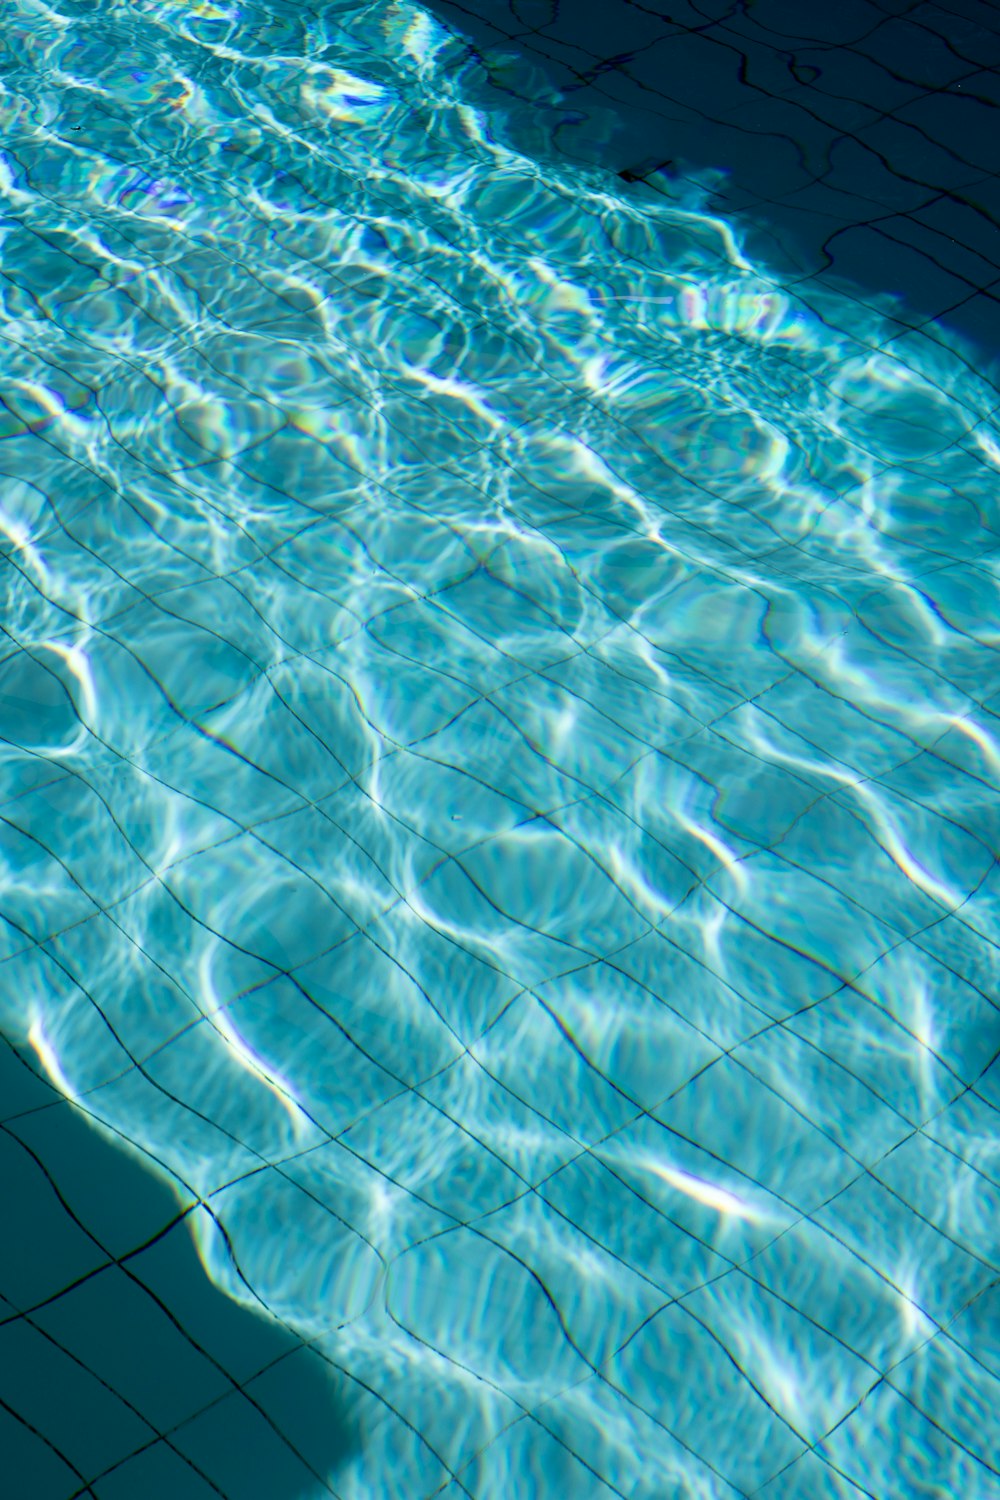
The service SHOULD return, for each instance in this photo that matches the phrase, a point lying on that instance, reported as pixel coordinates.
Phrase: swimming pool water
(500, 762)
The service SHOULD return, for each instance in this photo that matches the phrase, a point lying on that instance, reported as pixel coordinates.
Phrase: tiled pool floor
(860, 137)
(501, 760)
(122, 1359)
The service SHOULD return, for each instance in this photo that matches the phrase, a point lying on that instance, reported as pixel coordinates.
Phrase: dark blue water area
(857, 142)
(118, 1356)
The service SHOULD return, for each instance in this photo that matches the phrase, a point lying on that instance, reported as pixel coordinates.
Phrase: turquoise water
(500, 766)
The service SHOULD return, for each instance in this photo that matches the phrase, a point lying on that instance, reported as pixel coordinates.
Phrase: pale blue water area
(500, 773)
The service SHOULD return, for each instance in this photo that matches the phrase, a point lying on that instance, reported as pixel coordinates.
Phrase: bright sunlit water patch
(500, 764)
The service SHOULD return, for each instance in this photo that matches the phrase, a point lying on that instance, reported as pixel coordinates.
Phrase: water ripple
(501, 757)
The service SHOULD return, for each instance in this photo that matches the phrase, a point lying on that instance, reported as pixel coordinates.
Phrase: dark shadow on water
(852, 143)
(124, 1373)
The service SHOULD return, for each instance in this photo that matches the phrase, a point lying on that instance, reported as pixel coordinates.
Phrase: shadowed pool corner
(123, 1371)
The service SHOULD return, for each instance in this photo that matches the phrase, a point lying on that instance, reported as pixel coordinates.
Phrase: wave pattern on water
(500, 759)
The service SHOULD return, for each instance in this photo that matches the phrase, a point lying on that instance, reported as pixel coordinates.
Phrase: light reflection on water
(500, 765)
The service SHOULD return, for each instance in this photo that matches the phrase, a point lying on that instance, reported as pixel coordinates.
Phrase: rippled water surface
(500, 762)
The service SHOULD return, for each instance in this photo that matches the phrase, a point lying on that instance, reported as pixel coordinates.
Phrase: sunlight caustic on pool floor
(500, 764)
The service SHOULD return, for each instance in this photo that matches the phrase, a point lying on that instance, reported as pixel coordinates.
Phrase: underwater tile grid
(500, 754)
(859, 139)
